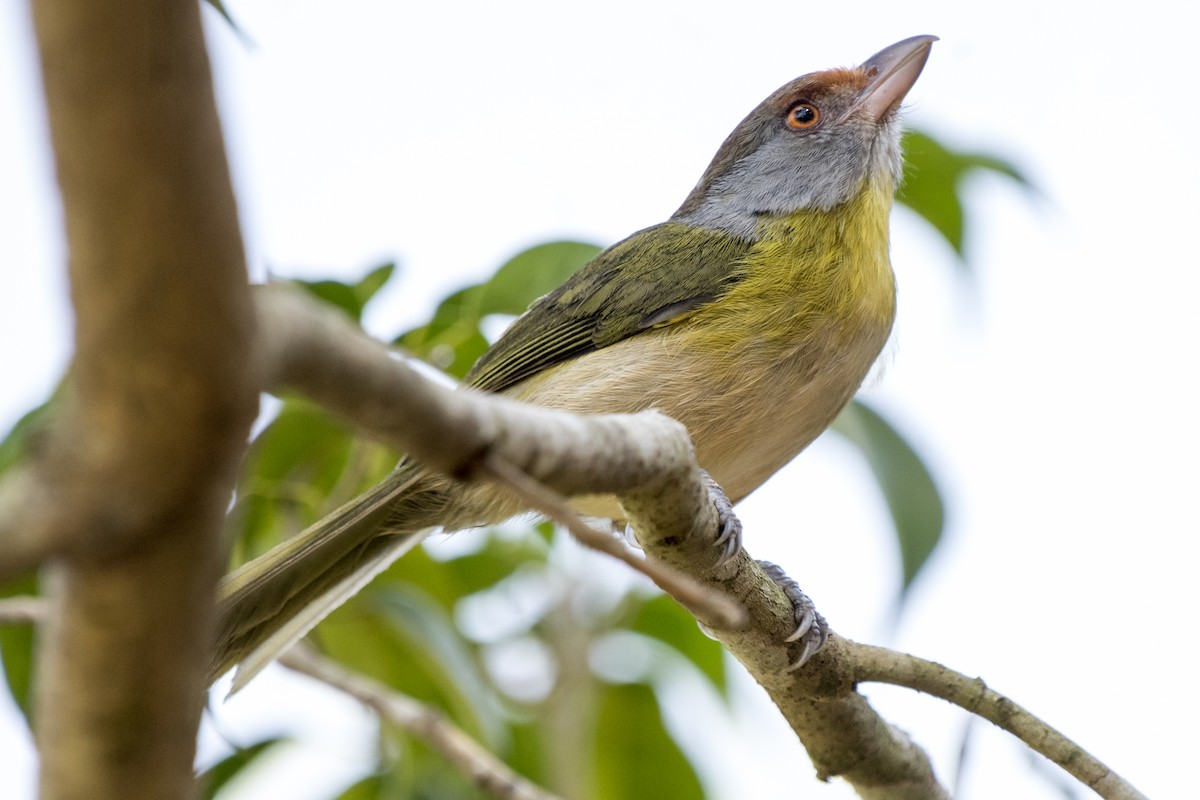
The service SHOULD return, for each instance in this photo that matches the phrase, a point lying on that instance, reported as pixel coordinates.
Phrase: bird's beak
(892, 71)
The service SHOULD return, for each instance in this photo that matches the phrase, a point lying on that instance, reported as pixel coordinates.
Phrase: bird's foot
(811, 629)
(729, 527)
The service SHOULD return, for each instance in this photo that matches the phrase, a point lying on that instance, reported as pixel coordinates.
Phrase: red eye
(802, 116)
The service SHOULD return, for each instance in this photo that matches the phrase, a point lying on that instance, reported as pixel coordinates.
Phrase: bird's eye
(803, 116)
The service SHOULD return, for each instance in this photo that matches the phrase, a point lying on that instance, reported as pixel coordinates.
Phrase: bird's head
(813, 144)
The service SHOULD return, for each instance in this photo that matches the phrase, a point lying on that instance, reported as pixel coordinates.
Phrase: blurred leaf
(663, 619)
(447, 582)
(17, 647)
(22, 439)
(336, 294)
(367, 789)
(636, 757)
(911, 494)
(452, 340)
(398, 634)
(933, 175)
(224, 12)
(372, 787)
(421, 620)
(375, 280)
(456, 309)
(351, 298)
(527, 752)
(292, 468)
(301, 439)
(219, 774)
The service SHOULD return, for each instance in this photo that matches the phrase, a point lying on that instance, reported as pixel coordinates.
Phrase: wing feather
(655, 277)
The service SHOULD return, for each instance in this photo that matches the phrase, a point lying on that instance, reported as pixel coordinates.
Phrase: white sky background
(1053, 395)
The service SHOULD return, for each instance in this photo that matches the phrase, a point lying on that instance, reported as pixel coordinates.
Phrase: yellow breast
(760, 373)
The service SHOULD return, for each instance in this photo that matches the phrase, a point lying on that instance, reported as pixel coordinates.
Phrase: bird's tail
(271, 602)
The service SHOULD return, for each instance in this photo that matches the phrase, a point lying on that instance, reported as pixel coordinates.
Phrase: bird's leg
(729, 527)
(811, 628)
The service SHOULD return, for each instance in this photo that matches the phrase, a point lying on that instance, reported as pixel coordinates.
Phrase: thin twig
(481, 767)
(880, 665)
(711, 607)
(23, 610)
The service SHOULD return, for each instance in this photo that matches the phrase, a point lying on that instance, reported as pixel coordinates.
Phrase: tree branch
(130, 490)
(878, 664)
(481, 768)
(645, 459)
(317, 351)
(843, 735)
(715, 610)
(22, 610)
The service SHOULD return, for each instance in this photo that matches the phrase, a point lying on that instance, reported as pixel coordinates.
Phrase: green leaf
(302, 439)
(447, 582)
(219, 774)
(452, 340)
(351, 298)
(500, 557)
(635, 756)
(427, 626)
(911, 494)
(398, 634)
(932, 187)
(375, 280)
(17, 647)
(224, 12)
(372, 787)
(25, 434)
(663, 619)
(337, 294)
(292, 468)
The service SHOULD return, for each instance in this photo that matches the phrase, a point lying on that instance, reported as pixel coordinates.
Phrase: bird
(752, 315)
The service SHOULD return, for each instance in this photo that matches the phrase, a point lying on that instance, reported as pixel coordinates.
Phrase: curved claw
(810, 649)
(631, 537)
(811, 629)
(807, 618)
(729, 527)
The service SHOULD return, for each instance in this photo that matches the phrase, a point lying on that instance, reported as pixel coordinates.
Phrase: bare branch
(480, 767)
(843, 735)
(130, 490)
(23, 610)
(29, 507)
(878, 664)
(715, 610)
(311, 348)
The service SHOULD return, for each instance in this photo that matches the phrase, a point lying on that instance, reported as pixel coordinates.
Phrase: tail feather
(387, 550)
(272, 601)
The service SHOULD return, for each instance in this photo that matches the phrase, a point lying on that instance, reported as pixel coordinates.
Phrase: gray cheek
(816, 173)
(788, 174)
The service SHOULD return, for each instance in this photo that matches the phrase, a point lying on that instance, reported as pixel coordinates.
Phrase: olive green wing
(655, 277)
